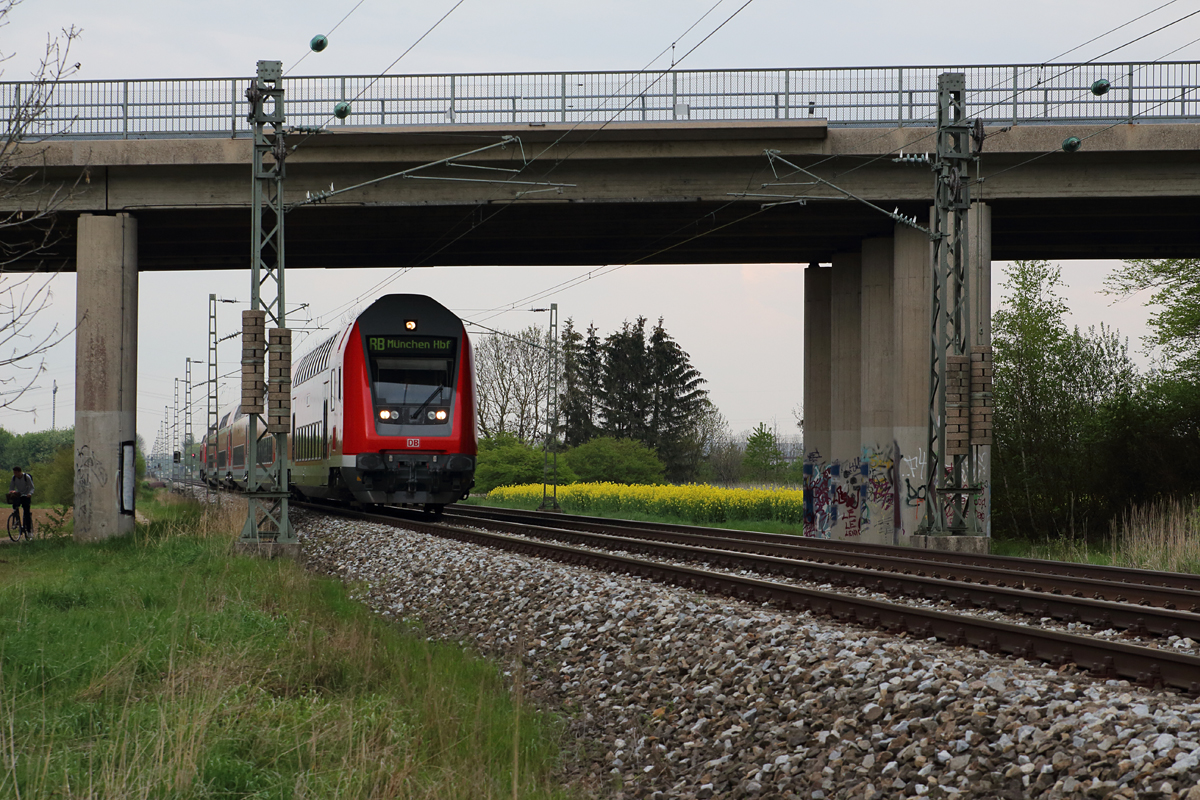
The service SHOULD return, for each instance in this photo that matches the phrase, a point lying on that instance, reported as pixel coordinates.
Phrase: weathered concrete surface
(954, 544)
(845, 390)
(817, 521)
(910, 400)
(659, 193)
(877, 498)
(679, 164)
(105, 373)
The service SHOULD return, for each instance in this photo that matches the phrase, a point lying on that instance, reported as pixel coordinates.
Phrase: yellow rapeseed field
(698, 503)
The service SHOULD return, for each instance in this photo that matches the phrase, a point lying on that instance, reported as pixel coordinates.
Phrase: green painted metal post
(262, 391)
(950, 489)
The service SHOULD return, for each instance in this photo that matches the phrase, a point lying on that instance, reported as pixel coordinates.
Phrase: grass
(1074, 549)
(159, 665)
(1163, 535)
(763, 526)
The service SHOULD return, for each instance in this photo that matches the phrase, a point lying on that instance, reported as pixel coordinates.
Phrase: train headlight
(410, 324)
(385, 414)
(441, 414)
(429, 415)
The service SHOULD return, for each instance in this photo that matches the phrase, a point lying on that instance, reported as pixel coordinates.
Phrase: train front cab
(417, 404)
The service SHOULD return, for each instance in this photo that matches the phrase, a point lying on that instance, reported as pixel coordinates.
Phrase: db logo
(414, 442)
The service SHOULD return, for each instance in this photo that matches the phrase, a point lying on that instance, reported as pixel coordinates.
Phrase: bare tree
(30, 202)
(512, 372)
(723, 451)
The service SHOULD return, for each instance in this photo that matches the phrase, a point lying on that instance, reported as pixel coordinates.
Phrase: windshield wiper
(428, 400)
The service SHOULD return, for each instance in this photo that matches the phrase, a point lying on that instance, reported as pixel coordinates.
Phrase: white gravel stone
(675, 694)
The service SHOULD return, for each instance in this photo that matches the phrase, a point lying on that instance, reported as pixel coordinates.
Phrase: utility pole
(550, 503)
(210, 427)
(267, 488)
(175, 456)
(54, 406)
(951, 488)
(187, 421)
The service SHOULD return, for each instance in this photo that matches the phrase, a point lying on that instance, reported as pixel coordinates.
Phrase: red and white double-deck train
(383, 412)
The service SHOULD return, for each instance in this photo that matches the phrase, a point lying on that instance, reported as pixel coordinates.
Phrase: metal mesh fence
(867, 96)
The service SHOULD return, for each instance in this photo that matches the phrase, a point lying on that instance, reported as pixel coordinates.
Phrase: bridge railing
(862, 96)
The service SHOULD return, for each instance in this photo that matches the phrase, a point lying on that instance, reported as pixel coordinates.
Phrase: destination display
(410, 345)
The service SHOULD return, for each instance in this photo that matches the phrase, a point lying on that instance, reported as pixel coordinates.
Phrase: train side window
(339, 383)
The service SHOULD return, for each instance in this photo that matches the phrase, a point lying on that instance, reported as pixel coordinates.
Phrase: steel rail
(881, 575)
(1030, 566)
(1103, 658)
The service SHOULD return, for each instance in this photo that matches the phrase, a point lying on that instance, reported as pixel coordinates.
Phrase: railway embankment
(673, 693)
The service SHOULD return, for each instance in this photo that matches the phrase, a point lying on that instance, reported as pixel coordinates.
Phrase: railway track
(1109, 659)
(1115, 575)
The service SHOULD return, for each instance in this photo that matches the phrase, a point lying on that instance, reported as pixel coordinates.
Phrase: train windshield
(412, 382)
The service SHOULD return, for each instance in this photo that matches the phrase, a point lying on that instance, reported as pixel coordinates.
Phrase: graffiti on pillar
(848, 495)
(820, 513)
(914, 466)
(878, 494)
(916, 494)
(912, 472)
(90, 474)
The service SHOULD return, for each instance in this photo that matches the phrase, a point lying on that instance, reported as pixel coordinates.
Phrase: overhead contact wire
(432, 252)
(602, 271)
(309, 52)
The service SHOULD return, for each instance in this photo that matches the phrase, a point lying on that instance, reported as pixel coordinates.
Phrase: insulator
(319, 43)
(1100, 87)
(1071, 144)
(341, 110)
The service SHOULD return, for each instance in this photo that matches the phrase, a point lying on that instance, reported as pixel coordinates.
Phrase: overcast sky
(220, 38)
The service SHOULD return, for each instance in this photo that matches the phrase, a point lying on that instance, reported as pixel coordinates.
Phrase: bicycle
(14, 527)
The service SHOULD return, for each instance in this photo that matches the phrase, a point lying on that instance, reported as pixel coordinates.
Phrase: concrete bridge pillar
(875, 468)
(911, 326)
(867, 331)
(817, 509)
(845, 383)
(105, 376)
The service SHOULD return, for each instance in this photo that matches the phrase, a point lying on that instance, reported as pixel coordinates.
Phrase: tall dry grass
(158, 666)
(1162, 535)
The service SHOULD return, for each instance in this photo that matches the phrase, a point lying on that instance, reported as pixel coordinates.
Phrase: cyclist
(20, 494)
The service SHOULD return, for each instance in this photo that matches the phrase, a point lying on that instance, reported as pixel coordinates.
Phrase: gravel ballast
(670, 693)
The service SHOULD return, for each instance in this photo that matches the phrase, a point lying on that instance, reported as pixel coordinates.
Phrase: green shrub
(606, 459)
(54, 480)
(504, 461)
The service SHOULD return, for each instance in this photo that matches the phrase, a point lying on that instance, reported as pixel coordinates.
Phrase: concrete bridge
(665, 171)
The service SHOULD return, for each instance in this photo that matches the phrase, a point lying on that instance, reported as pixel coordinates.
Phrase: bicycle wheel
(14, 526)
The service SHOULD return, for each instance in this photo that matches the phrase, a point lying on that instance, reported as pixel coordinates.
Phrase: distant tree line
(46, 455)
(637, 387)
(1080, 433)
(630, 406)
(49, 456)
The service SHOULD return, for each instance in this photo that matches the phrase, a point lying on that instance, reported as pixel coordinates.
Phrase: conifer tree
(582, 372)
(625, 385)
(676, 404)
